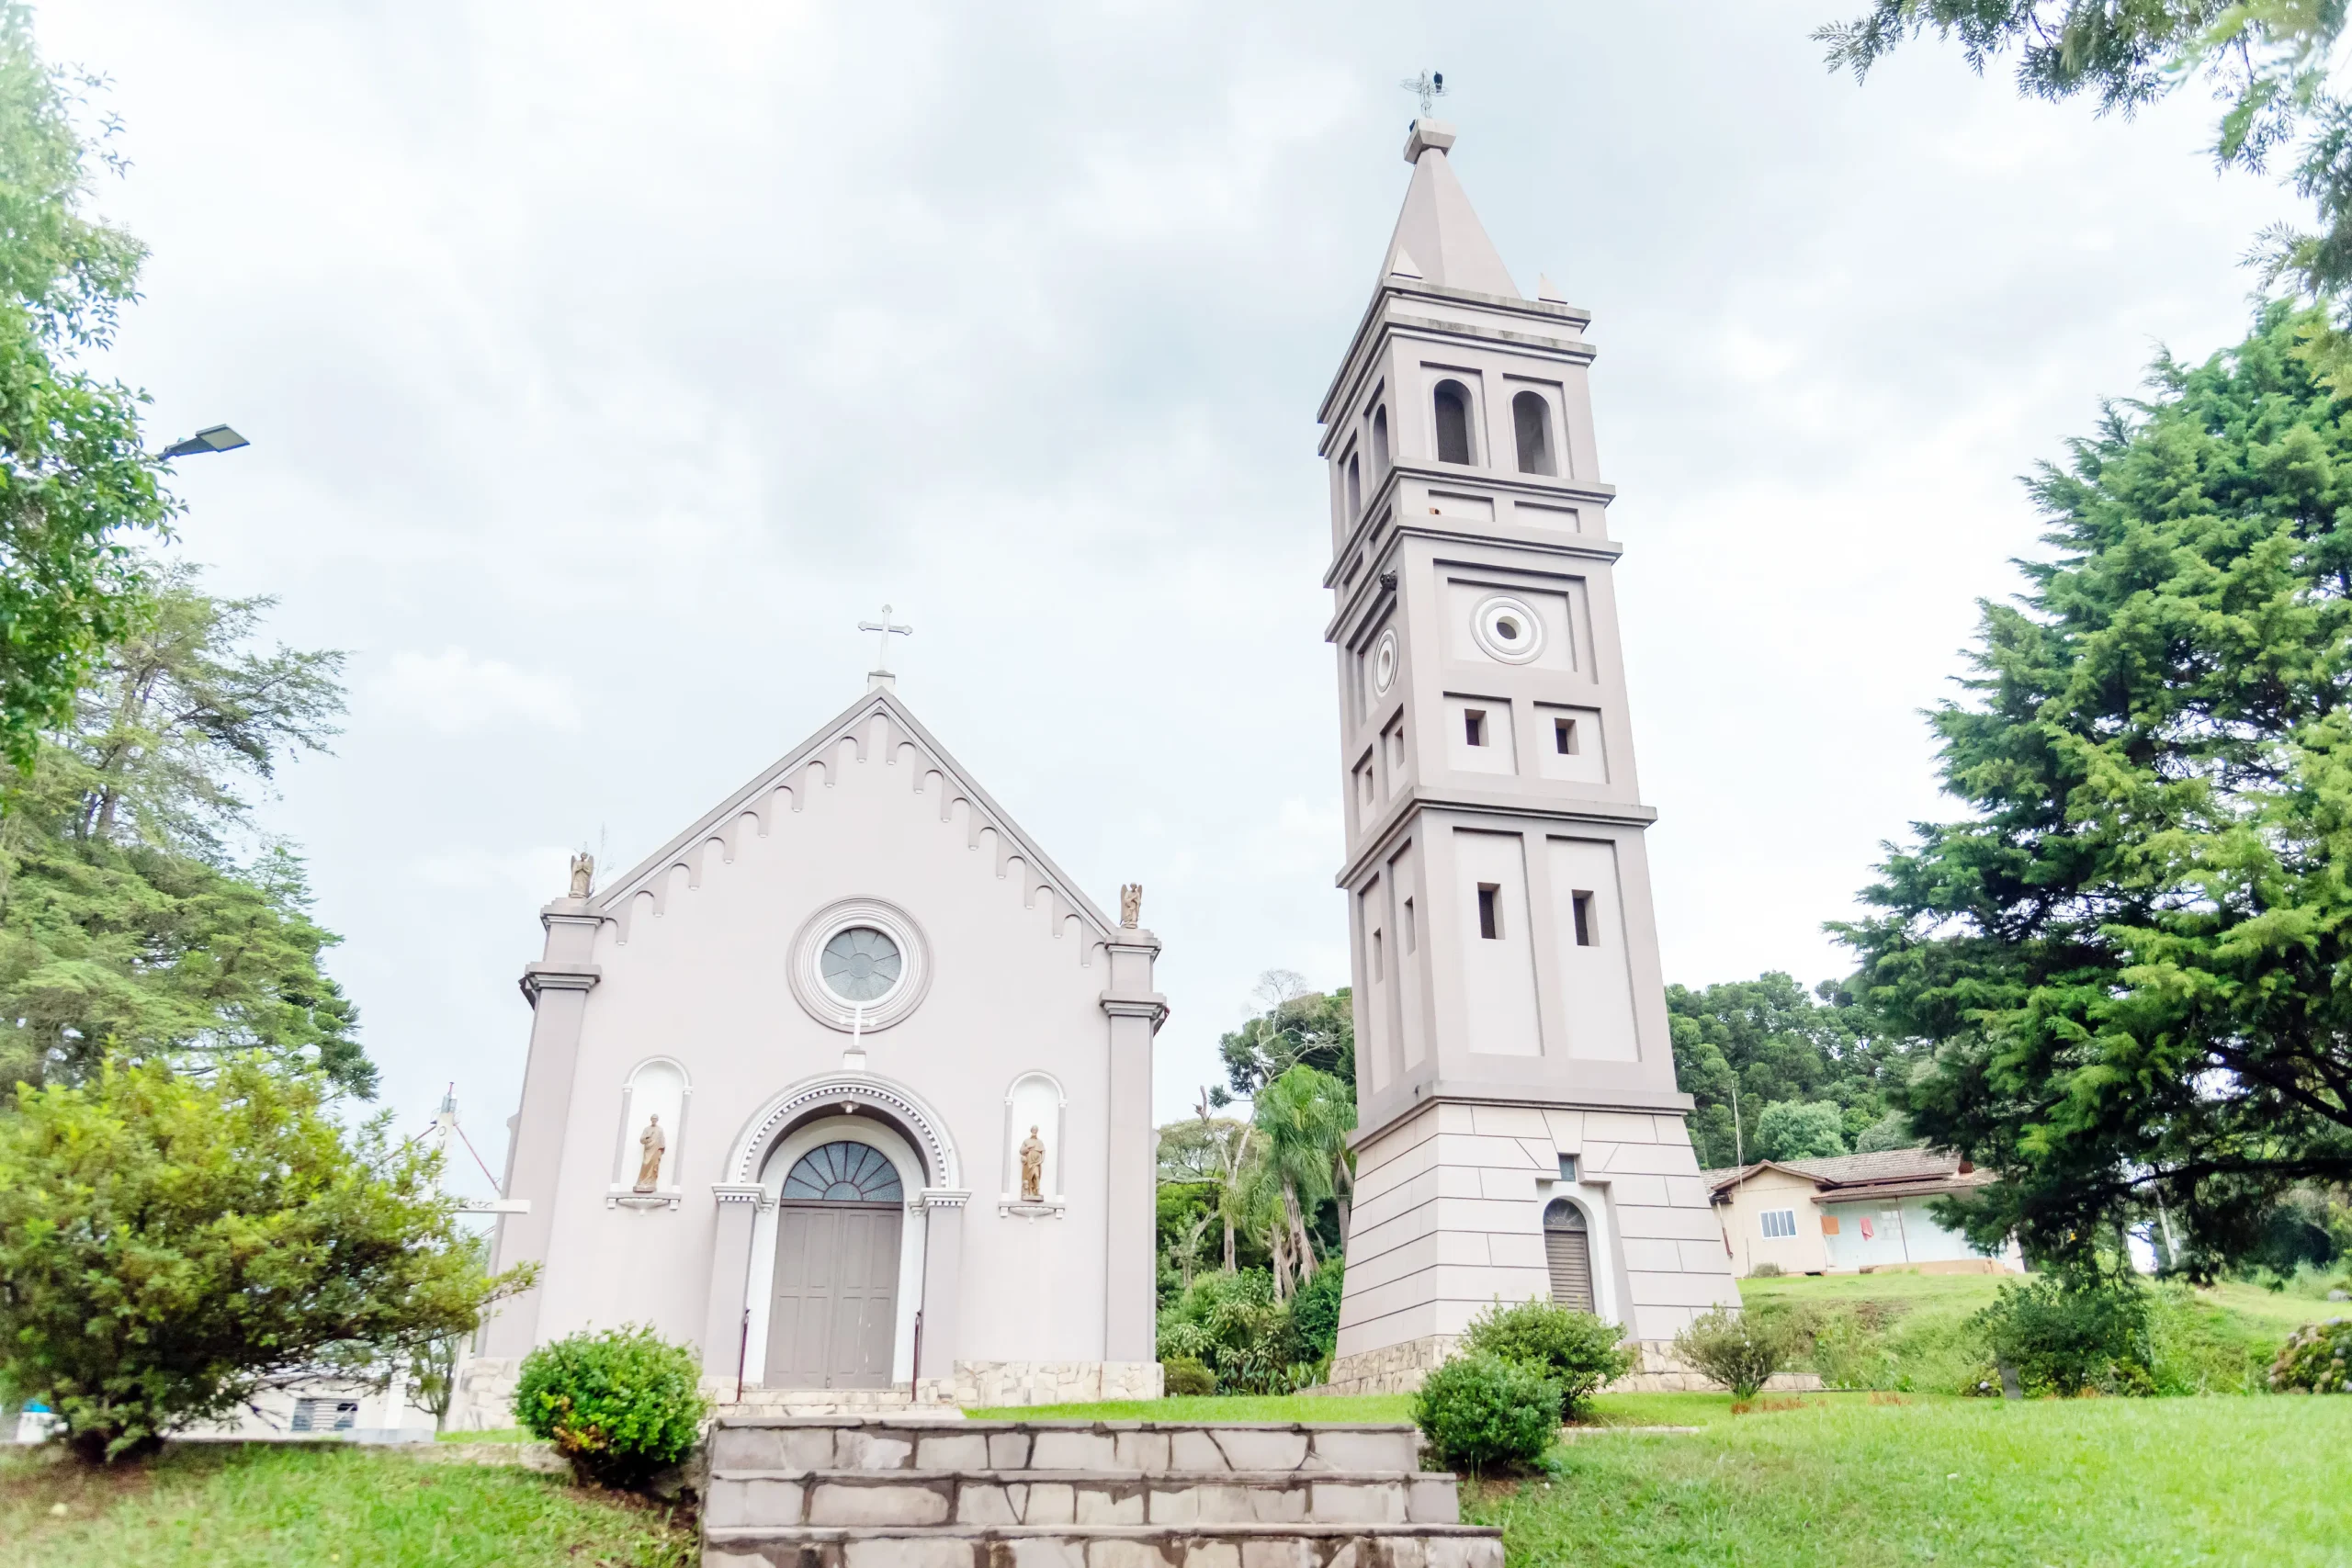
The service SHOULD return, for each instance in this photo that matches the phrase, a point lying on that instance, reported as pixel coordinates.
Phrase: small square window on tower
(1490, 914)
(1567, 1167)
(1563, 737)
(1473, 726)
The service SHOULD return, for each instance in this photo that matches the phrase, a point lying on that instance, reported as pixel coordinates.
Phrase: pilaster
(1134, 1012)
(557, 986)
(730, 1280)
(942, 1281)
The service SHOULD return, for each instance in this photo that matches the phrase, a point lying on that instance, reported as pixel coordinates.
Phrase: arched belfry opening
(1530, 419)
(1451, 407)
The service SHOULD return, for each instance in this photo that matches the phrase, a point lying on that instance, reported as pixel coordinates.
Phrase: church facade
(1520, 1135)
(848, 1086)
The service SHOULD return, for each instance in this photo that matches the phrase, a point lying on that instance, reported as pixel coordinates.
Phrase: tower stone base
(1449, 1219)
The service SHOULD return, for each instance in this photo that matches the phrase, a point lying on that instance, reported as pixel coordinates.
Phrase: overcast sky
(605, 363)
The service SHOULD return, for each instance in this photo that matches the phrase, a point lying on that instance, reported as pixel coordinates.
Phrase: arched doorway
(834, 1304)
(1568, 1254)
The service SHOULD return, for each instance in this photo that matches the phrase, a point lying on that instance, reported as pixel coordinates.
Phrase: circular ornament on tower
(859, 966)
(1384, 663)
(1507, 629)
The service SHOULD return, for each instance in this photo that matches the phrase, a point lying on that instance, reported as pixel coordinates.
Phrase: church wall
(706, 983)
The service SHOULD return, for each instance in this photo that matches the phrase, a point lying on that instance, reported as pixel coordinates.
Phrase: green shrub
(2065, 1338)
(171, 1245)
(619, 1406)
(1740, 1351)
(1315, 1314)
(1481, 1412)
(2317, 1358)
(1766, 1270)
(1232, 1324)
(1575, 1349)
(1183, 1377)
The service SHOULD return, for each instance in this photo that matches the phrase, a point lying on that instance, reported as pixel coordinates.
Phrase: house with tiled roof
(1849, 1213)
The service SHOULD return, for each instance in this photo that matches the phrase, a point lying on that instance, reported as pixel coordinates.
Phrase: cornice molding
(538, 978)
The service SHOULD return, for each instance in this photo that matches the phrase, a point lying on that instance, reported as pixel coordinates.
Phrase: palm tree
(1304, 1116)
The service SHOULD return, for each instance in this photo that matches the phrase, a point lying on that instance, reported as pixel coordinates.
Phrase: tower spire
(1438, 230)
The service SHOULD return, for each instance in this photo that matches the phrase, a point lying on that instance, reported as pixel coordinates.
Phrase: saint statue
(1032, 1168)
(649, 1164)
(1130, 903)
(584, 874)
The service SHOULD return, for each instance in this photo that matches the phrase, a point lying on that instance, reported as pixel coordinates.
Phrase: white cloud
(631, 354)
(453, 693)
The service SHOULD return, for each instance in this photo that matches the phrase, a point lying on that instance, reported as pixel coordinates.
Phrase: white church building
(849, 1087)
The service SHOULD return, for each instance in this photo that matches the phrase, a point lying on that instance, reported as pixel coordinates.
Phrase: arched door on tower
(835, 1306)
(1568, 1253)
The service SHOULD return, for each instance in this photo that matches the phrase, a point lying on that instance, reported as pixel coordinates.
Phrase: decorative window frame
(1492, 609)
(817, 998)
(1056, 1203)
(1590, 1194)
(621, 1192)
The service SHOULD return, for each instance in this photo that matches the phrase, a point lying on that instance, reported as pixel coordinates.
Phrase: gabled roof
(785, 773)
(1887, 1173)
(1439, 239)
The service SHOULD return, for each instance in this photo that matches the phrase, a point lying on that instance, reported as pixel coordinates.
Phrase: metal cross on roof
(1430, 87)
(884, 630)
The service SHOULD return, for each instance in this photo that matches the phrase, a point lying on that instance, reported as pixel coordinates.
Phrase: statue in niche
(1130, 903)
(584, 874)
(1032, 1168)
(649, 1163)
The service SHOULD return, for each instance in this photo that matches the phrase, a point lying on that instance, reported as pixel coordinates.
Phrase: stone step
(1148, 1448)
(1107, 1546)
(780, 1498)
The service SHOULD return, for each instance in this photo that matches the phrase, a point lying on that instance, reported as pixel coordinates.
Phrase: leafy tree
(2269, 60)
(1303, 1117)
(1293, 1025)
(171, 1245)
(1210, 1158)
(2130, 954)
(1776, 1043)
(127, 920)
(1892, 1131)
(76, 481)
(1800, 1128)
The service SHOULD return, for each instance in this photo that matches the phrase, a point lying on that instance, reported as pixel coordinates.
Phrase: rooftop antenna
(1429, 86)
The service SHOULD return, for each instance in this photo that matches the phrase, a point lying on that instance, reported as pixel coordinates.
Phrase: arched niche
(1035, 1100)
(657, 1092)
(1530, 418)
(1450, 406)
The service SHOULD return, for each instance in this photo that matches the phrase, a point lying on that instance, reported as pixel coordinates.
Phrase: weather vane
(884, 631)
(1430, 87)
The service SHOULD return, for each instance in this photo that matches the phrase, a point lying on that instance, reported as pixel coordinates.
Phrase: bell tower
(1521, 1132)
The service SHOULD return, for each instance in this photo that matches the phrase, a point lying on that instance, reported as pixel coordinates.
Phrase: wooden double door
(835, 1313)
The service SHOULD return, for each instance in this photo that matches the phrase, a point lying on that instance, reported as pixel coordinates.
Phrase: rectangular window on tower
(1490, 917)
(1473, 726)
(1563, 737)
(1377, 970)
(1412, 938)
(1580, 902)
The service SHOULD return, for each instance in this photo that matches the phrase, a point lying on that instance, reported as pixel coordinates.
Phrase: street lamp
(211, 438)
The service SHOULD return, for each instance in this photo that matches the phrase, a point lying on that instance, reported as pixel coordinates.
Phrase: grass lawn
(325, 1505)
(1845, 1482)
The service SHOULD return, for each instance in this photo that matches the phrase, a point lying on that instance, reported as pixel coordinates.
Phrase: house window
(325, 1415)
(1780, 1223)
(1453, 410)
(1490, 917)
